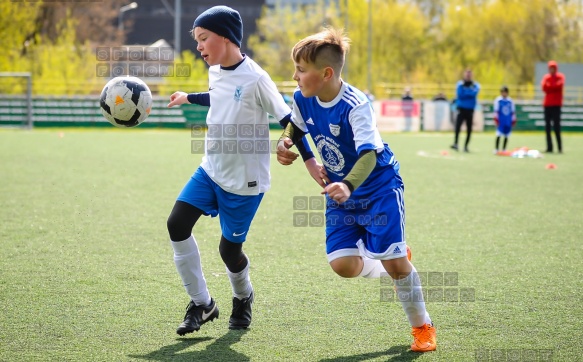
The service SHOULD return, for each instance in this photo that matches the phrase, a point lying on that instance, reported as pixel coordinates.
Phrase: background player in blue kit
(466, 102)
(365, 211)
(229, 184)
(504, 117)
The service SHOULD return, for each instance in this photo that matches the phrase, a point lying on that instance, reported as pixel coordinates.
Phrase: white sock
(410, 294)
(372, 268)
(240, 282)
(187, 260)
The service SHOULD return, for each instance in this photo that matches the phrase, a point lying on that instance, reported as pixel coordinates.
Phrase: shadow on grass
(393, 354)
(219, 350)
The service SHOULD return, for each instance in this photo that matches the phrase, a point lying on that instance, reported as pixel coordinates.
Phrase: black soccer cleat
(196, 316)
(241, 315)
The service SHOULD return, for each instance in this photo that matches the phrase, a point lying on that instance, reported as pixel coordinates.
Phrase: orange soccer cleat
(424, 338)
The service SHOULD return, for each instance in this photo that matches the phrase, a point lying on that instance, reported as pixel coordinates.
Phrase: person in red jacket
(552, 84)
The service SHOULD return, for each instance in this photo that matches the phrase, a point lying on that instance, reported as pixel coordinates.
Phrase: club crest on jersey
(335, 130)
(238, 94)
(331, 156)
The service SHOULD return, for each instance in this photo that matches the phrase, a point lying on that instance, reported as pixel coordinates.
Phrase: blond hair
(327, 48)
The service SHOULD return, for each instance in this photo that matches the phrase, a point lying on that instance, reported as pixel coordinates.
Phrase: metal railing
(165, 86)
(528, 92)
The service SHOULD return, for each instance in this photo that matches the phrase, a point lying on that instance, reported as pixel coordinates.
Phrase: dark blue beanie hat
(223, 21)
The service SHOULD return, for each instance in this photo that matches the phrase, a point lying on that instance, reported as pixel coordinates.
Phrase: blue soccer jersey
(372, 221)
(504, 109)
(341, 130)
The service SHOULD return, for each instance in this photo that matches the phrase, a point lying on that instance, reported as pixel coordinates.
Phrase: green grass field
(86, 270)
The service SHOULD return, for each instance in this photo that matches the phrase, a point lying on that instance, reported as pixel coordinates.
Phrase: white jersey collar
(333, 102)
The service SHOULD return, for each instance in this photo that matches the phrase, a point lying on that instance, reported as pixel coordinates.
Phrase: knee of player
(398, 268)
(346, 267)
(178, 230)
(232, 254)
(171, 223)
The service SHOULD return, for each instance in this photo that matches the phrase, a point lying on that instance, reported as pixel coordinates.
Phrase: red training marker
(551, 166)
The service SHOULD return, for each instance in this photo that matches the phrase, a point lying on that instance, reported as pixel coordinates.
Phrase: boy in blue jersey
(365, 212)
(466, 100)
(504, 117)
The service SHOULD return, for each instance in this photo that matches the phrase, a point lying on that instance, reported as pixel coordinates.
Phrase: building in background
(153, 20)
(573, 79)
(292, 2)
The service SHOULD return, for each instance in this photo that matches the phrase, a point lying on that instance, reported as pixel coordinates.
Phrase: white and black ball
(126, 101)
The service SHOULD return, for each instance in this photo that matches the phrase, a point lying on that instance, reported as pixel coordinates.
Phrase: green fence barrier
(85, 112)
(530, 117)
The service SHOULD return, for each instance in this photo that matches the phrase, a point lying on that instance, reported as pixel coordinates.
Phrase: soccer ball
(125, 101)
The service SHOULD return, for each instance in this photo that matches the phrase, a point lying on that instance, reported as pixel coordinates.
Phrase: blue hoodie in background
(467, 94)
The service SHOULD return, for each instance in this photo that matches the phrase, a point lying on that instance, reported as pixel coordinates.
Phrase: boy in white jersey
(234, 173)
(365, 215)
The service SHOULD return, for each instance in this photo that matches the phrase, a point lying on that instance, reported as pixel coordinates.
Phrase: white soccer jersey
(237, 151)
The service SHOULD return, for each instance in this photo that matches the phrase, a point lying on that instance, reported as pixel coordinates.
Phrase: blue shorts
(504, 130)
(235, 211)
(373, 227)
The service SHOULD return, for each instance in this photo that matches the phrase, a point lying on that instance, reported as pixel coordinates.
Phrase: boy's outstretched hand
(337, 191)
(177, 99)
(284, 155)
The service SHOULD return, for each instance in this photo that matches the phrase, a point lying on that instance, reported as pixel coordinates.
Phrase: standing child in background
(231, 181)
(504, 117)
(365, 211)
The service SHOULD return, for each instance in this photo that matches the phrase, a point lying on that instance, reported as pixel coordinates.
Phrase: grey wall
(573, 73)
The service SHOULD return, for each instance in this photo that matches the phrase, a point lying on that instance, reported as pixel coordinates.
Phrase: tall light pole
(122, 10)
(346, 30)
(177, 25)
(369, 80)
(176, 13)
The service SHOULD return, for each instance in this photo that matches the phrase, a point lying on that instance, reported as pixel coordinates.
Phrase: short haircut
(327, 48)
